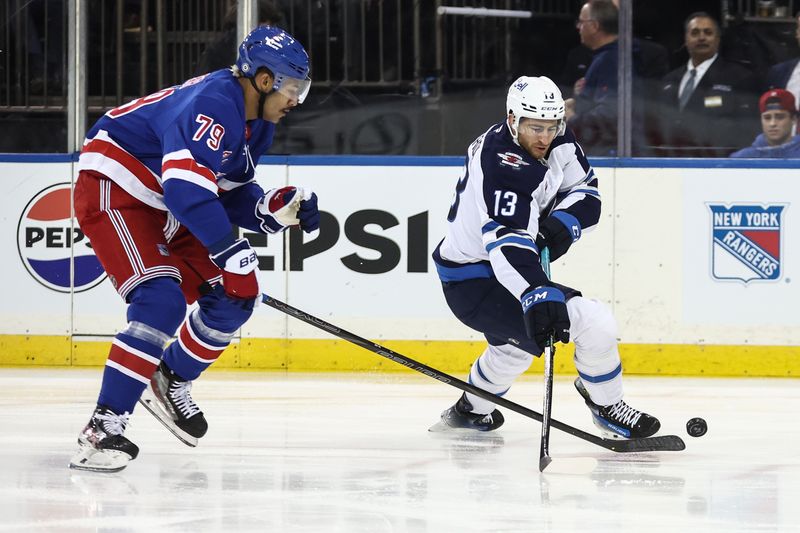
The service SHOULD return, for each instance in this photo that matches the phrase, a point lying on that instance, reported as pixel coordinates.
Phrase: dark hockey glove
(239, 264)
(308, 213)
(558, 232)
(545, 314)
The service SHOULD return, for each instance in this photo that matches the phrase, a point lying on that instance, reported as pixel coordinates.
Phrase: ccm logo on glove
(533, 298)
(545, 313)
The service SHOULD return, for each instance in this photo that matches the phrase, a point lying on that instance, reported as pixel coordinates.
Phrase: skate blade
(92, 460)
(150, 403)
(442, 428)
(607, 433)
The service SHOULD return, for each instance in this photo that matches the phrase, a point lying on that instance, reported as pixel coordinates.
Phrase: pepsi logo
(49, 239)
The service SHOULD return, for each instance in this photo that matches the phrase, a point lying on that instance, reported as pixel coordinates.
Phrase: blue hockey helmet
(282, 54)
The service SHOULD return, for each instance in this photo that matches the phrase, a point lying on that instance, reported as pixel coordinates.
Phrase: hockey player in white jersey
(528, 185)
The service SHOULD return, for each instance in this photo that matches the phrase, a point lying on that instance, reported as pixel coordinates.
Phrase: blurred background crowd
(703, 78)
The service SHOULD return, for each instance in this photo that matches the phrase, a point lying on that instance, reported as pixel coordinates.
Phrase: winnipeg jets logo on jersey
(512, 160)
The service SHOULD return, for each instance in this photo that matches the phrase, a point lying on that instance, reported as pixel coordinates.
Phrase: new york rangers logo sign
(746, 242)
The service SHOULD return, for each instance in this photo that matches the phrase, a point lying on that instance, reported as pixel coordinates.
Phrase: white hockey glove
(288, 206)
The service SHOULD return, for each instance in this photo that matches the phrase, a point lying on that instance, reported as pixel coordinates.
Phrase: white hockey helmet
(533, 97)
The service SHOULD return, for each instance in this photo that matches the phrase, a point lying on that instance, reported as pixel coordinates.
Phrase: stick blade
(664, 443)
(544, 461)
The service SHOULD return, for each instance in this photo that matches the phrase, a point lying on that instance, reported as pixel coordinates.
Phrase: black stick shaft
(547, 401)
(668, 442)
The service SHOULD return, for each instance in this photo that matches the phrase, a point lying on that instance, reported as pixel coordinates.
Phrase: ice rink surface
(351, 453)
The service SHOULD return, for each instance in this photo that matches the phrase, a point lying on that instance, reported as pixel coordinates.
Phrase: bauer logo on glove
(238, 263)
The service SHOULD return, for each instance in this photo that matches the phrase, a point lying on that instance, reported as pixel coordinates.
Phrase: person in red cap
(778, 120)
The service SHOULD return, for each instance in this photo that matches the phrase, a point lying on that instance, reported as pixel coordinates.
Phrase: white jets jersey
(499, 200)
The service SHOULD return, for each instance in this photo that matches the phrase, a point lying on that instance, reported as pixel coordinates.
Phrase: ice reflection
(363, 471)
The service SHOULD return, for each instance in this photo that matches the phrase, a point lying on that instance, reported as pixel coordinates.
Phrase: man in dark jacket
(593, 110)
(786, 75)
(707, 107)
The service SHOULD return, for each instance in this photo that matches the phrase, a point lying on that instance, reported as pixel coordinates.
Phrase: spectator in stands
(652, 59)
(222, 52)
(706, 106)
(592, 113)
(41, 51)
(786, 75)
(778, 119)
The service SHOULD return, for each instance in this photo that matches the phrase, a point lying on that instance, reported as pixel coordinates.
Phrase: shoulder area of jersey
(219, 88)
(568, 137)
(500, 148)
(211, 82)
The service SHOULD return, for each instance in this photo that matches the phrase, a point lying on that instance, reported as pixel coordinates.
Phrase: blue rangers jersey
(499, 201)
(188, 150)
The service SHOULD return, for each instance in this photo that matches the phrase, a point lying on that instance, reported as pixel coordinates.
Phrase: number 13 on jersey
(505, 202)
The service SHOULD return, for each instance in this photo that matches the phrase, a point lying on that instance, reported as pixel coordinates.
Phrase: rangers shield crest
(746, 242)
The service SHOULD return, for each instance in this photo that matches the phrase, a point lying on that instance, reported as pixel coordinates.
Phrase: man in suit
(786, 75)
(707, 106)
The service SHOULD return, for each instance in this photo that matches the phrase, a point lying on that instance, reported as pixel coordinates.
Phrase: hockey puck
(696, 427)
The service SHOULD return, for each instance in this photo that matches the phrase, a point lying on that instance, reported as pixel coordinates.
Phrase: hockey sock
(494, 371)
(157, 307)
(197, 347)
(604, 388)
(594, 332)
(134, 356)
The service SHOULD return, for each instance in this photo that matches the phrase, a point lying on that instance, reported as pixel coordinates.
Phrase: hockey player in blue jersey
(162, 180)
(528, 185)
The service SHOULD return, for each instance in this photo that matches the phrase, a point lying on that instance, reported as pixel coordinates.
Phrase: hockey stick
(649, 444)
(547, 402)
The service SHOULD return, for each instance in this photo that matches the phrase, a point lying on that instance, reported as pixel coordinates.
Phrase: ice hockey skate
(619, 421)
(168, 398)
(460, 419)
(101, 445)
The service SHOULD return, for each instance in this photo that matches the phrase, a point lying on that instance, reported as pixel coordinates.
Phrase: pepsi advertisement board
(52, 247)
(685, 256)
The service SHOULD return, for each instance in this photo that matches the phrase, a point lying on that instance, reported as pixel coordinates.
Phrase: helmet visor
(294, 88)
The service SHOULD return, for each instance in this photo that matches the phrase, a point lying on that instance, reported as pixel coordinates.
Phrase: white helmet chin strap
(513, 127)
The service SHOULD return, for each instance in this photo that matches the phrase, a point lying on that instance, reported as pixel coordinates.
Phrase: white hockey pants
(593, 329)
